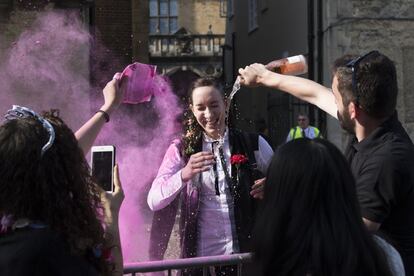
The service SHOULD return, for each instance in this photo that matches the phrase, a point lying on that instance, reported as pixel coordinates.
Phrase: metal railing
(204, 262)
(185, 45)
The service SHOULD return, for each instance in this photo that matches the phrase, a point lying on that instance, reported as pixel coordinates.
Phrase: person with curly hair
(55, 220)
(216, 172)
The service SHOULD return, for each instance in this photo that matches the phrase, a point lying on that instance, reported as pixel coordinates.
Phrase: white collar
(208, 139)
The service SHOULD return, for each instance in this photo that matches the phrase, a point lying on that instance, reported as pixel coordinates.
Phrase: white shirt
(214, 226)
(393, 257)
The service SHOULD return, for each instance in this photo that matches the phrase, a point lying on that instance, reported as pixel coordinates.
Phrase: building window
(163, 16)
(252, 15)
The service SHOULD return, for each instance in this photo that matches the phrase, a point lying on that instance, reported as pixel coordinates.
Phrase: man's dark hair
(310, 222)
(375, 84)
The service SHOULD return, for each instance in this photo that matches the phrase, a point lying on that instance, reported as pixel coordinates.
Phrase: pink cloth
(139, 77)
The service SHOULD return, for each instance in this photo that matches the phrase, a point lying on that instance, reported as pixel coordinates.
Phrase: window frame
(158, 17)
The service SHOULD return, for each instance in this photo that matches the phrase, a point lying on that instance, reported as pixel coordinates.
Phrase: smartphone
(103, 162)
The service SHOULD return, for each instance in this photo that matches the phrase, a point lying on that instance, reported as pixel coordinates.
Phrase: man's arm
(257, 75)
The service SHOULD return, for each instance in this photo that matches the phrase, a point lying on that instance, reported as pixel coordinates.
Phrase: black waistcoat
(240, 184)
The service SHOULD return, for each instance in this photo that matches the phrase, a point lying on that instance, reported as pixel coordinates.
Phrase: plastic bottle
(295, 65)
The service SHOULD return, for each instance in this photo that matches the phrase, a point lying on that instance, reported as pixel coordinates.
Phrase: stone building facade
(191, 46)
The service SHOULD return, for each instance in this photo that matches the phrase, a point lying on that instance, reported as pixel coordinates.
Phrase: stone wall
(388, 26)
(197, 15)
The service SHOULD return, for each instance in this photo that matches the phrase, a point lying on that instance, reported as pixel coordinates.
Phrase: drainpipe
(311, 51)
(321, 114)
(320, 41)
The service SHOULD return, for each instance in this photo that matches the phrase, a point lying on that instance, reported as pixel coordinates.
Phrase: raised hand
(113, 93)
(112, 201)
(253, 75)
(198, 162)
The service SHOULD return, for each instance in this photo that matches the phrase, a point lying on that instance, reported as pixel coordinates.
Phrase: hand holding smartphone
(103, 162)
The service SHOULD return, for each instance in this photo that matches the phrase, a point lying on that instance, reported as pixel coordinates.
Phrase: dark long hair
(310, 221)
(55, 189)
(192, 130)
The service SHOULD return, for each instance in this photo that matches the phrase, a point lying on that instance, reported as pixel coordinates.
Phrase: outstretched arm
(113, 96)
(257, 75)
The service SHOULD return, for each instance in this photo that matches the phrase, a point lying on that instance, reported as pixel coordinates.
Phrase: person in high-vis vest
(303, 129)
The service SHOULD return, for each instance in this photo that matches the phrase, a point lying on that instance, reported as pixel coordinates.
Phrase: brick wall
(140, 30)
(113, 23)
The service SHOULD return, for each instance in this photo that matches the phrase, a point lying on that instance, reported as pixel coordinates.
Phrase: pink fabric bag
(139, 87)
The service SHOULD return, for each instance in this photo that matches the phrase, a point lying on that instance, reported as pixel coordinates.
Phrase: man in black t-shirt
(381, 154)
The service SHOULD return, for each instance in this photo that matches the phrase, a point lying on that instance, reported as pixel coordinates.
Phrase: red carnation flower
(238, 159)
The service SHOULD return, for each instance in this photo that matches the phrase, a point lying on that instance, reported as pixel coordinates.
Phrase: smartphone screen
(103, 158)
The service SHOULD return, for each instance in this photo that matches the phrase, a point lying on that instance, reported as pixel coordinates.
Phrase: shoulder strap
(251, 141)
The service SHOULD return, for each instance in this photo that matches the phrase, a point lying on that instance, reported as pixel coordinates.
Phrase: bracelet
(105, 115)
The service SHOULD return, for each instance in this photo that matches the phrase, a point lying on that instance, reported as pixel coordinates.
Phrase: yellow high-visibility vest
(296, 132)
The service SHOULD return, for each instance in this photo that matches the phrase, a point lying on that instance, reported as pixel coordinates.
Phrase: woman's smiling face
(209, 109)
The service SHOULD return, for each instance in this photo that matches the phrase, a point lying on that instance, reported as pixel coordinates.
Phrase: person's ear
(191, 108)
(353, 110)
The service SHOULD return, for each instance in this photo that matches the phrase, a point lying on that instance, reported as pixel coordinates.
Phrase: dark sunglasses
(353, 64)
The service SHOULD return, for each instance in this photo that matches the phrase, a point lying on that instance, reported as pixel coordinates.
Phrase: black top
(29, 251)
(383, 166)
